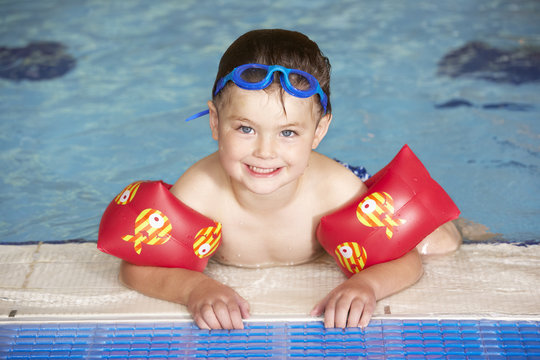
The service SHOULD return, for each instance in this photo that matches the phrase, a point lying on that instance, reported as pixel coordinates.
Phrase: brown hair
(290, 49)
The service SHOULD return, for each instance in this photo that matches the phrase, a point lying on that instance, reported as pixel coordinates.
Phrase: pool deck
(54, 282)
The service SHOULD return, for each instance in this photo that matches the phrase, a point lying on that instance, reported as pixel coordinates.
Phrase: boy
(269, 189)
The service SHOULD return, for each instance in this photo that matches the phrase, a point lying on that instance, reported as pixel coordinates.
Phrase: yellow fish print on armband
(207, 241)
(152, 227)
(377, 210)
(127, 194)
(352, 256)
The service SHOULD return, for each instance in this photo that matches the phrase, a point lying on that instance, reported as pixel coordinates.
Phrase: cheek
(232, 148)
(299, 154)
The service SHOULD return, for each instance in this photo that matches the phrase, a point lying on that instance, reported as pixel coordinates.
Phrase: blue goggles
(257, 77)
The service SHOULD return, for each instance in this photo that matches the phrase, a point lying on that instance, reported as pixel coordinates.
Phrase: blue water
(69, 144)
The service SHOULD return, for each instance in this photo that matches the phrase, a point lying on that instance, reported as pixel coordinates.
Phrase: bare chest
(270, 239)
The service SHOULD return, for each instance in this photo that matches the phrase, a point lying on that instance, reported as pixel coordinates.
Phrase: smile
(262, 171)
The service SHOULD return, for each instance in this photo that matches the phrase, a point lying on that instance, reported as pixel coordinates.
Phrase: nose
(265, 148)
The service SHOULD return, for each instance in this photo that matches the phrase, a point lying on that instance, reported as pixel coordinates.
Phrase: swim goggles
(257, 77)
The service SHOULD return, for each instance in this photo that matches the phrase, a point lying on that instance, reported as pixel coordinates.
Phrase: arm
(212, 304)
(352, 303)
(445, 239)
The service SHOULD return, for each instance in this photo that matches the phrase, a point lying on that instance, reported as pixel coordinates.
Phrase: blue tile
(390, 338)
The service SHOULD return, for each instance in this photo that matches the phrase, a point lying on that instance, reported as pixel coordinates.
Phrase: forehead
(271, 103)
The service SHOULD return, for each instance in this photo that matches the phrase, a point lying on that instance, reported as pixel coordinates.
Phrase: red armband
(147, 225)
(402, 206)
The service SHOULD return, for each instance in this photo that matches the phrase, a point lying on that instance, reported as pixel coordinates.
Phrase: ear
(214, 120)
(321, 130)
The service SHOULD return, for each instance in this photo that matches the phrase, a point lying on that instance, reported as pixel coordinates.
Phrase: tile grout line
(32, 266)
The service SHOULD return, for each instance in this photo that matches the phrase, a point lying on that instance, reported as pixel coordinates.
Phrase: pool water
(68, 144)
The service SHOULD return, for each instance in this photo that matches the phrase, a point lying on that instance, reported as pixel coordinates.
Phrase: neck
(261, 203)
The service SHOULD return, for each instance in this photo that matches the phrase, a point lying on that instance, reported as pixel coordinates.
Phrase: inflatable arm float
(147, 225)
(402, 206)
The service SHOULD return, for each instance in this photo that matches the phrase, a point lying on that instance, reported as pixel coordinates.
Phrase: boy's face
(260, 146)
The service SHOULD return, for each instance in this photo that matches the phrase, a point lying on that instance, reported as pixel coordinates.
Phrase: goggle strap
(198, 115)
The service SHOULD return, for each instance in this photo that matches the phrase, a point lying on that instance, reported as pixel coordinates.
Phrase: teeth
(261, 170)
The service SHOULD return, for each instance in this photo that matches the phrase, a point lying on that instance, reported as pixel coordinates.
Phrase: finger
(366, 314)
(236, 316)
(201, 323)
(355, 313)
(209, 317)
(342, 312)
(244, 307)
(318, 309)
(329, 314)
(222, 313)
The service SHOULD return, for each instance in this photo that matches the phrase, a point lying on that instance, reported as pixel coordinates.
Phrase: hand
(217, 306)
(351, 304)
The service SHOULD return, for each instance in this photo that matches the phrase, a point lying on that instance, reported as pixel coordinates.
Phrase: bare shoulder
(336, 184)
(199, 183)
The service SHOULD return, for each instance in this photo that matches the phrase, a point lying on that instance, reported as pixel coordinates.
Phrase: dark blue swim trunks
(359, 171)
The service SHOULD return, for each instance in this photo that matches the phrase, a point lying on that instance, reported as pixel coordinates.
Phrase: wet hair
(290, 49)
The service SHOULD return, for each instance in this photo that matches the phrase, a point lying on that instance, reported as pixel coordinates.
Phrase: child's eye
(246, 129)
(288, 133)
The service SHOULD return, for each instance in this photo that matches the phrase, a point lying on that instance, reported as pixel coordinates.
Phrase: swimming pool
(68, 144)
(403, 72)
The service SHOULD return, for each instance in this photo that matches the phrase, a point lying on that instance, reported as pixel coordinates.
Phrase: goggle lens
(300, 82)
(253, 75)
